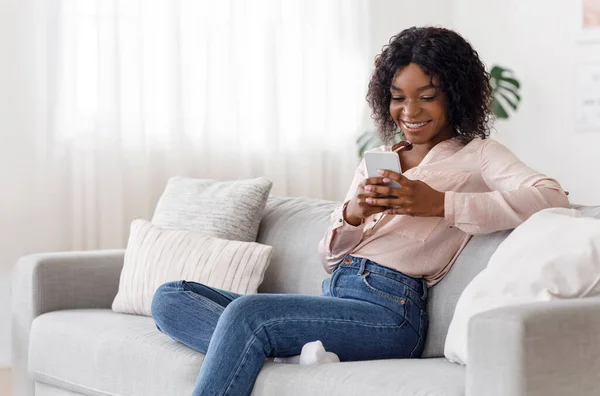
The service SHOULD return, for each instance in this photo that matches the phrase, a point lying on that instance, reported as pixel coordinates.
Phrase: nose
(410, 110)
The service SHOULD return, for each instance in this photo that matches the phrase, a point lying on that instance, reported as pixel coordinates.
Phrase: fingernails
(386, 180)
(380, 171)
(368, 188)
(369, 200)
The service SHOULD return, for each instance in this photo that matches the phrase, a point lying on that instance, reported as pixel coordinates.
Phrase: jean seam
(240, 363)
(419, 333)
(207, 302)
(213, 289)
(411, 355)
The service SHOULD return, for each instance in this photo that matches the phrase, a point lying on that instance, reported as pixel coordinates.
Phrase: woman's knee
(249, 309)
(165, 300)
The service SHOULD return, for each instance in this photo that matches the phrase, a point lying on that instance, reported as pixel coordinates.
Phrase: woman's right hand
(358, 209)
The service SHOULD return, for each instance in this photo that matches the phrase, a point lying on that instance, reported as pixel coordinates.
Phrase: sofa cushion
(376, 377)
(444, 296)
(157, 255)
(224, 209)
(99, 352)
(294, 227)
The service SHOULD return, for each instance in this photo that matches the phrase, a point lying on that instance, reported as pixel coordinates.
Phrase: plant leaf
(498, 109)
(510, 81)
(505, 88)
(508, 100)
(511, 91)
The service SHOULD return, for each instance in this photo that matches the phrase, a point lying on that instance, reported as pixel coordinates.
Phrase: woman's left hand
(414, 198)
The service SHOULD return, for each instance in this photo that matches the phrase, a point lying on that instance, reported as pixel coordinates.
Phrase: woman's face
(419, 106)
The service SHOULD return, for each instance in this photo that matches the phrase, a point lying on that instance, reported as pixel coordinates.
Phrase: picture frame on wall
(588, 20)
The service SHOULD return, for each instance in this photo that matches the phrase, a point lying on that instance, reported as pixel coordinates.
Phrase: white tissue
(312, 353)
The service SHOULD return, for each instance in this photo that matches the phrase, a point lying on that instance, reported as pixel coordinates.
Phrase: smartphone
(382, 160)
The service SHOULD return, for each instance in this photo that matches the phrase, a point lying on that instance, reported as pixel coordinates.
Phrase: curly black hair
(444, 54)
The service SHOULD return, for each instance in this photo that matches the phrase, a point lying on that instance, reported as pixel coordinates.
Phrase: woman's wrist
(348, 218)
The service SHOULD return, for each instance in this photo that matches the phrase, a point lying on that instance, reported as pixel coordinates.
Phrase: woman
(386, 245)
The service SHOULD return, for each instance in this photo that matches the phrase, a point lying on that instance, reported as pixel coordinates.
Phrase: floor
(5, 382)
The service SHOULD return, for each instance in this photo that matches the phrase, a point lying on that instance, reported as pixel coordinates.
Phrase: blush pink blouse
(487, 189)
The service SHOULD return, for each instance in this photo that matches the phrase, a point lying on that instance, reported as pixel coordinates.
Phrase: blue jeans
(366, 312)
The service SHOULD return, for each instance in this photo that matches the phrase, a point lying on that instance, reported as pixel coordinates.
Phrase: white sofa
(67, 341)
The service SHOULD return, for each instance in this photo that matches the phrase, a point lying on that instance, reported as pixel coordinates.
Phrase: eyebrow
(423, 88)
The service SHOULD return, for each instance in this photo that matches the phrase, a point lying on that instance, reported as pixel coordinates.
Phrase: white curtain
(121, 95)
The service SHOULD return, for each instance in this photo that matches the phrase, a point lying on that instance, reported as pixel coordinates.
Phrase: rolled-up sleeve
(517, 193)
(341, 237)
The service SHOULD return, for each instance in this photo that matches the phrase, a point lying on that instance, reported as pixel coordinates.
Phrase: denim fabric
(366, 312)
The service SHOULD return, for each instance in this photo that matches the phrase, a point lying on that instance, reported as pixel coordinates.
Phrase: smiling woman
(422, 72)
(386, 244)
(419, 105)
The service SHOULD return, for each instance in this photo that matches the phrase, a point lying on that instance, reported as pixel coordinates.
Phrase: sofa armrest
(537, 349)
(57, 281)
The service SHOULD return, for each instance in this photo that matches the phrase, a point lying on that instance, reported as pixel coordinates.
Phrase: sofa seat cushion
(398, 377)
(99, 352)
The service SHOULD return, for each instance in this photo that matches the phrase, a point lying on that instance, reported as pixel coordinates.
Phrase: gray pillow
(225, 209)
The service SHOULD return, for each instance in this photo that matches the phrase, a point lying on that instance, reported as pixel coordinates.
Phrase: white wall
(535, 38)
(391, 16)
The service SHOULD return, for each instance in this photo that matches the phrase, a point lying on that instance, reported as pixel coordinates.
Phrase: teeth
(414, 126)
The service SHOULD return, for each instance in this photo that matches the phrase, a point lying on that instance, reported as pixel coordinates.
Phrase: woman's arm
(517, 193)
(341, 237)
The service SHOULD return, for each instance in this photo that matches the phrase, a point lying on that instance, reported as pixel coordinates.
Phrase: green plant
(505, 92)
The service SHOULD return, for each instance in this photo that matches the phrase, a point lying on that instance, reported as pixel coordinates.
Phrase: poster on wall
(587, 94)
(588, 23)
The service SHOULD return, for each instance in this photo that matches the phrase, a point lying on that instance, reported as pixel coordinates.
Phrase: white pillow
(156, 255)
(553, 255)
(225, 209)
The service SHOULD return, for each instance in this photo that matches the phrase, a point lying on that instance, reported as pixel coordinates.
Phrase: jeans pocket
(385, 287)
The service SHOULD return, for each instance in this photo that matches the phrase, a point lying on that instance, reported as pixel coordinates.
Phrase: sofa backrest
(294, 227)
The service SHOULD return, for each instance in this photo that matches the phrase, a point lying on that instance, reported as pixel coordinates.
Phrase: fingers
(374, 181)
(387, 202)
(386, 173)
(400, 210)
(407, 187)
(382, 190)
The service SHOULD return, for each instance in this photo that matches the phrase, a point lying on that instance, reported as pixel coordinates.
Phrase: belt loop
(363, 262)
(425, 289)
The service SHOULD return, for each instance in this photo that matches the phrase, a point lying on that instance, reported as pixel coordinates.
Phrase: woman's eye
(397, 98)
(427, 98)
